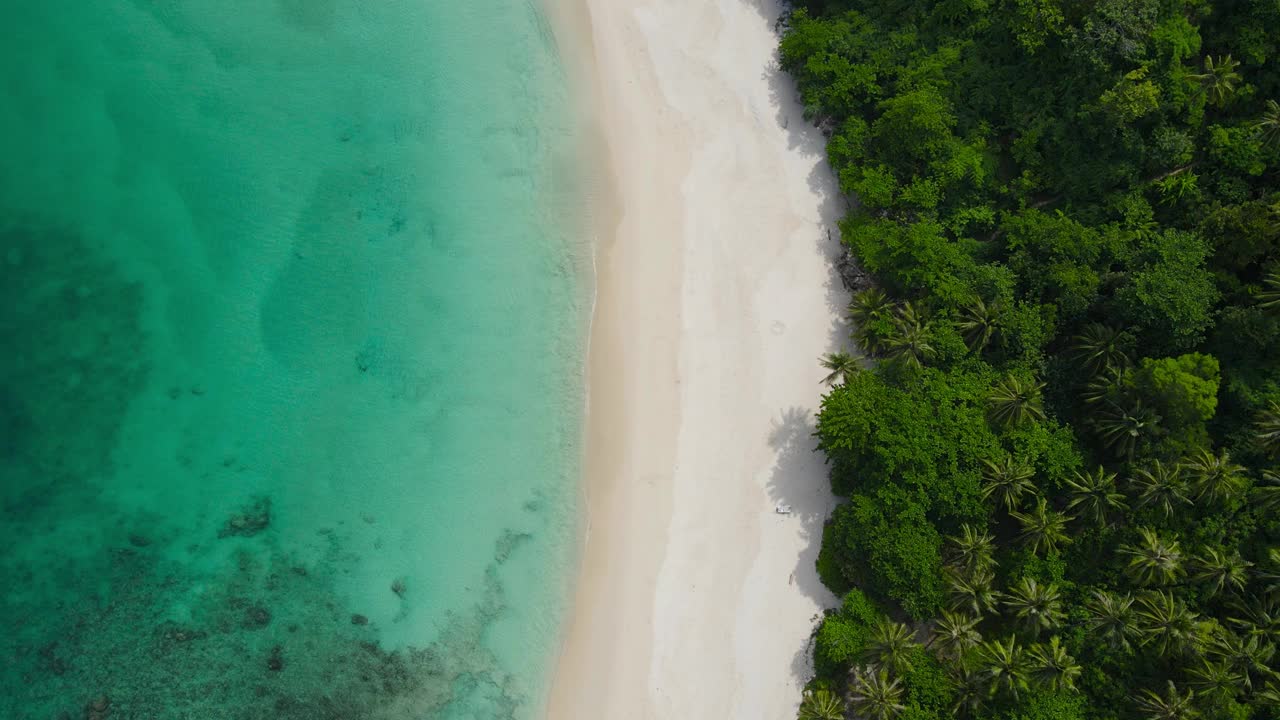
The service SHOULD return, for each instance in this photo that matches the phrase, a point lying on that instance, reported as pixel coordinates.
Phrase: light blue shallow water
(291, 310)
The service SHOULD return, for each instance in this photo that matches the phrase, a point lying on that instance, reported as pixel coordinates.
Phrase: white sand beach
(715, 298)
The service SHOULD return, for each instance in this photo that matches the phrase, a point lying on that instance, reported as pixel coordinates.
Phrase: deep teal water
(291, 311)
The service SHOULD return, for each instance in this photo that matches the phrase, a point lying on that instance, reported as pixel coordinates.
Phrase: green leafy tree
(1169, 293)
(1183, 390)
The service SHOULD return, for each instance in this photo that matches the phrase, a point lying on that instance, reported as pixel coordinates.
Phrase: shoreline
(712, 301)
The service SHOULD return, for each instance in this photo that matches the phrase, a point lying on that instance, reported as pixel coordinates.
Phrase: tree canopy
(1059, 469)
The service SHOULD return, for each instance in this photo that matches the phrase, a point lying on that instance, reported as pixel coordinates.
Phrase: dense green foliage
(1060, 476)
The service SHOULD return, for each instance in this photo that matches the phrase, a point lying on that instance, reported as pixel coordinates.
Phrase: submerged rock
(256, 617)
(97, 708)
(275, 661)
(249, 521)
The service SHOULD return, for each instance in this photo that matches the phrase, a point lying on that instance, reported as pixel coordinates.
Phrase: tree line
(1056, 433)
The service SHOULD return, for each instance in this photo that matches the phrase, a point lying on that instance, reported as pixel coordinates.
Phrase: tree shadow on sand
(799, 479)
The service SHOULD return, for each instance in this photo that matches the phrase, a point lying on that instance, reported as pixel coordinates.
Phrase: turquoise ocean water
(292, 303)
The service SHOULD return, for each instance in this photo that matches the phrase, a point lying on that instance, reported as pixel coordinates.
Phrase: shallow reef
(106, 621)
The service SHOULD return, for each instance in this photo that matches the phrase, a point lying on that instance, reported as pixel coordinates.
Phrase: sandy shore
(714, 299)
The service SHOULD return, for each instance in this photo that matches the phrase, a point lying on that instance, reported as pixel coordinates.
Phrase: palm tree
(909, 343)
(1014, 401)
(1248, 656)
(1106, 386)
(874, 695)
(977, 324)
(1166, 623)
(1052, 667)
(971, 689)
(1268, 696)
(1172, 705)
(972, 549)
(1270, 576)
(1268, 126)
(1258, 616)
(1122, 429)
(1007, 481)
(1036, 606)
(1266, 495)
(1218, 81)
(955, 634)
(1214, 478)
(1042, 528)
(973, 592)
(1004, 665)
(1094, 496)
(1154, 560)
(1219, 571)
(1160, 487)
(1111, 615)
(1269, 298)
(841, 365)
(821, 705)
(1214, 678)
(868, 312)
(890, 645)
(869, 305)
(1100, 347)
(1266, 429)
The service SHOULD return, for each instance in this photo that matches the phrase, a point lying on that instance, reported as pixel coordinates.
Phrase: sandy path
(715, 298)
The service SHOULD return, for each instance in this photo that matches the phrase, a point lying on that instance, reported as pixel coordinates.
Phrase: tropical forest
(1055, 430)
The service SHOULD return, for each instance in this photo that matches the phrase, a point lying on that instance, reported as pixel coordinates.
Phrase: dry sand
(715, 297)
